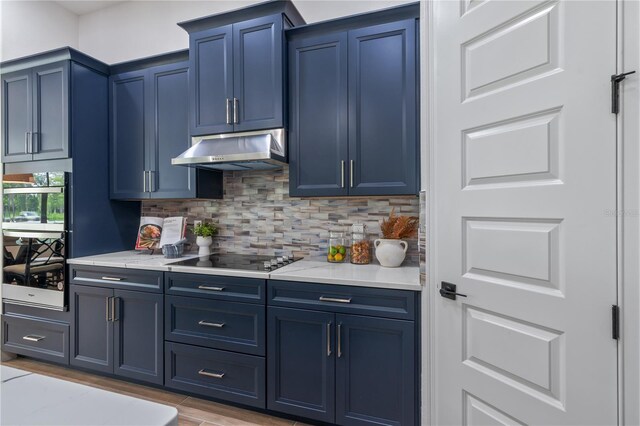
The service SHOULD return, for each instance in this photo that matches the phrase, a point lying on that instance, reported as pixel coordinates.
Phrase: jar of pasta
(360, 252)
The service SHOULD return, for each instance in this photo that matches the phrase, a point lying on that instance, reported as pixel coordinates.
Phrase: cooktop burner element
(245, 262)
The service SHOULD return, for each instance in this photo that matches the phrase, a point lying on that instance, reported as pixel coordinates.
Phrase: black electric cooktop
(245, 262)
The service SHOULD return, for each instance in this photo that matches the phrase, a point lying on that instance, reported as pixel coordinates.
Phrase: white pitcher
(390, 253)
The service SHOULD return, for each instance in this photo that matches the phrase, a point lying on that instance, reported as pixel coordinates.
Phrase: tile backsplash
(258, 216)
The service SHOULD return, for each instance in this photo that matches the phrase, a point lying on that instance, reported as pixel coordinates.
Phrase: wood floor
(191, 411)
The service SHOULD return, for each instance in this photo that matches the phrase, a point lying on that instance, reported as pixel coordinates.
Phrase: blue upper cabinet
(211, 59)
(150, 126)
(258, 77)
(237, 60)
(318, 153)
(36, 113)
(353, 102)
(170, 132)
(50, 137)
(128, 154)
(17, 113)
(383, 104)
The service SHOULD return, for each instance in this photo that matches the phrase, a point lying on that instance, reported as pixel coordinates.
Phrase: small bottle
(360, 252)
(337, 250)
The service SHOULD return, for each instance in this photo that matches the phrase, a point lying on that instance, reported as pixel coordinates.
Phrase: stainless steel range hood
(263, 150)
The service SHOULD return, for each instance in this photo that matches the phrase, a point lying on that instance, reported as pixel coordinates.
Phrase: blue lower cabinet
(117, 332)
(301, 363)
(376, 371)
(217, 374)
(341, 368)
(36, 337)
(138, 337)
(91, 328)
(216, 324)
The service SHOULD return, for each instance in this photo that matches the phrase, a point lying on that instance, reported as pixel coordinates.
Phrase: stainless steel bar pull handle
(334, 299)
(111, 278)
(211, 324)
(108, 308)
(351, 164)
(235, 110)
(206, 287)
(342, 174)
(339, 340)
(114, 307)
(228, 110)
(214, 375)
(144, 181)
(329, 339)
(26, 143)
(35, 142)
(33, 338)
(152, 183)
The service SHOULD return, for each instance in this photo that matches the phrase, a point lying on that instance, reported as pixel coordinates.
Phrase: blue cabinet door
(51, 111)
(169, 132)
(138, 335)
(376, 371)
(258, 68)
(301, 363)
(128, 133)
(211, 85)
(17, 113)
(318, 156)
(383, 104)
(91, 331)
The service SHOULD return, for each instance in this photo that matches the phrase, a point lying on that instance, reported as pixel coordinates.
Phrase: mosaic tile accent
(422, 236)
(257, 216)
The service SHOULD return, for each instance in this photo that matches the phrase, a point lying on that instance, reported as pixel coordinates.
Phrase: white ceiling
(82, 7)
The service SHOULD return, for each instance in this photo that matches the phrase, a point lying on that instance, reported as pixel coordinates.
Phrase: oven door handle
(41, 235)
(40, 190)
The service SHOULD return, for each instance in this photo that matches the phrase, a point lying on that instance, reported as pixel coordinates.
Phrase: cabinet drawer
(343, 299)
(37, 338)
(248, 290)
(125, 279)
(218, 374)
(216, 324)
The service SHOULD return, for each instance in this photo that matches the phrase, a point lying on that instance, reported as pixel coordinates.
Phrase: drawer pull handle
(206, 287)
(33, 338)
(334, 299)
(212, 324)
(112, 278)
(214, 375)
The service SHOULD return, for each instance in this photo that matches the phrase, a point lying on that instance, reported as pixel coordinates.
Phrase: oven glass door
(34, 201)
(34, 268)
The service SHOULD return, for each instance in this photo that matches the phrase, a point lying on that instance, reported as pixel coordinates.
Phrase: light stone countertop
(33, 399)
(131, 259)
(312, 271)
(373, 275)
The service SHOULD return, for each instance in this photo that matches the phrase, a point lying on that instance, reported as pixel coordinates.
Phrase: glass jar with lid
(360, 251)
(338, 245)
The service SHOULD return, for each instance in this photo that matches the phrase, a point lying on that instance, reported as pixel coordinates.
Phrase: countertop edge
(338, 281)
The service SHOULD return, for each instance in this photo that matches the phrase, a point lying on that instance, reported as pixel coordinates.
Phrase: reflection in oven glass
(34, 198)
(34, 262)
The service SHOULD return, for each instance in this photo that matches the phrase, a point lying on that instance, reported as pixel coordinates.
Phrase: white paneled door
(524, 155)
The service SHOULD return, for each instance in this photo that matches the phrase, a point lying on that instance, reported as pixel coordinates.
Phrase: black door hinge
(615, 322)
(616, 79)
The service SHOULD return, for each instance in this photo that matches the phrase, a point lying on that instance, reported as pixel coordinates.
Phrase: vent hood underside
(264, 150)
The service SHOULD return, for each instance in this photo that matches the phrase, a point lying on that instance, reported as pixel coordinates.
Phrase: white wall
(136, 29)
(29, 27)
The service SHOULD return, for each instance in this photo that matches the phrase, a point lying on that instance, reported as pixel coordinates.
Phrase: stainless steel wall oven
(34, 231)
